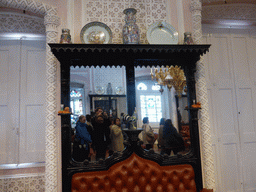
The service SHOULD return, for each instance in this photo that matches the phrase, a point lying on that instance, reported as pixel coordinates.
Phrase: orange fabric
(137, 175)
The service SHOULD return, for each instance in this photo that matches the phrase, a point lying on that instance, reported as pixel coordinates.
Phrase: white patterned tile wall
(23, 183)
(12, 22)
(104, 75)
(111, 13)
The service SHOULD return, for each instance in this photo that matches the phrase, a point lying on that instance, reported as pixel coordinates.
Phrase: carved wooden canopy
(121, 54)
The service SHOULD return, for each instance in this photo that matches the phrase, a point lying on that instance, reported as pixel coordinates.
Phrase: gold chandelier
(171, 77)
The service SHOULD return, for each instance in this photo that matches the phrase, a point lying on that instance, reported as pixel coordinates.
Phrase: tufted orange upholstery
(137, 175)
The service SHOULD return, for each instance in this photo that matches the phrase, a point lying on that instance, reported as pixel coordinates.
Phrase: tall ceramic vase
(131, 33)
(65, 36)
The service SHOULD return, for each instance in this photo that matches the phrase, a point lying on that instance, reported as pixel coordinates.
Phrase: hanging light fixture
(170, 77)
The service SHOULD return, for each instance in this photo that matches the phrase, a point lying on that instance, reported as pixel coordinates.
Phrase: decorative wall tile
(105, 75)
(23, 183)
(11, 22)
(206, 142)
(111, 13)
(29, 5)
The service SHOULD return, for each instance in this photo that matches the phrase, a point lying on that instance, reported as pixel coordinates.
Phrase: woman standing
(148, 136)
(161, 143)
(116, 136)
(82, 140)
(173, 140)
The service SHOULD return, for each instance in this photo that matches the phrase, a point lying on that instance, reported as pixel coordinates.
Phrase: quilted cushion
(137, 175)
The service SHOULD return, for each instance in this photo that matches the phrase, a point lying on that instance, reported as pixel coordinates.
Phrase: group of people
(168, 138)
(97, 134)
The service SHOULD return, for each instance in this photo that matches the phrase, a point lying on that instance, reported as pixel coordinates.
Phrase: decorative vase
(130, 30)
(109, 89)
(65, 36)
(188, 38)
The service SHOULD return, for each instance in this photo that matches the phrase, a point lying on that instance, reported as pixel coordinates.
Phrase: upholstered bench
(136, 174)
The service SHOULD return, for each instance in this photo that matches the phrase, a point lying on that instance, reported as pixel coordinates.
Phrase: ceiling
(229, 13)
(223, 13)
(220, 2)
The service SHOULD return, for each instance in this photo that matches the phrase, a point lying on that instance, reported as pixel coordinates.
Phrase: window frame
(149, 91)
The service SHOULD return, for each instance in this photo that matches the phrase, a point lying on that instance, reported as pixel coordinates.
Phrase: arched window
(142, 86)
(75, 93)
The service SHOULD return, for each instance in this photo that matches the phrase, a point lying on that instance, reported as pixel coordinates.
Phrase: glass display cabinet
(109, 103)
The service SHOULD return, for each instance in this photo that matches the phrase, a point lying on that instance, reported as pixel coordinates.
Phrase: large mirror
(125, 58)
(105, 87)
(183, 119)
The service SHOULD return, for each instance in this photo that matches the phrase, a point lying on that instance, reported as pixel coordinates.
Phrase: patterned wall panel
(206, 142)
(111, 13)
(23, 183)
(104, 75)
(11, 22)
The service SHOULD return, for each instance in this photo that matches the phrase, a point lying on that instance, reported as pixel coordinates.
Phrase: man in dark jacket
(101, 134)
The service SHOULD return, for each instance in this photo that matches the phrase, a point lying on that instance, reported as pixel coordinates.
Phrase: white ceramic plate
(96, 33)
(119, 90)
(99, 90)
(162, 33)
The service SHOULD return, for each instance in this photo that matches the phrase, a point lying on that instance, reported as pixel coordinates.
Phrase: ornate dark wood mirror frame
(129, 56)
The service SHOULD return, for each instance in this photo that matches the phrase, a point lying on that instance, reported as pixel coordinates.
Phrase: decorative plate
(96, 33)
(162, 33)
(99, 90)
(119, 90)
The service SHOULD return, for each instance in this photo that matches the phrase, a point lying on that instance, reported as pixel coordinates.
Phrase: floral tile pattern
(23, 184)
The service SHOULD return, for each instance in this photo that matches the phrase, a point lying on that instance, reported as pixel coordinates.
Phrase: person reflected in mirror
(173, 140)
(107, 119)
(90, 130)
(161, 143)
(89, 124)
(111, 121)
(108, 123)
(101, 132)
(148, 136)
(82, 140)
(116, 136)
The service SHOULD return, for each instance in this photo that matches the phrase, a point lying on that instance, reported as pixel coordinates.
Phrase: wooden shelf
(98, 95)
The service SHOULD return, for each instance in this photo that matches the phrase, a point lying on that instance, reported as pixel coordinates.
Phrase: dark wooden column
(130, 85)
(65, 124)
(65, 84)
(193, 120)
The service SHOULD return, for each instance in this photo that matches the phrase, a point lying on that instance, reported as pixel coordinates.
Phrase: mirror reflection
(99, 113)
(183, 119)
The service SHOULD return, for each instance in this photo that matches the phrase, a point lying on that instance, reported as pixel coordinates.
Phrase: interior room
(36, 81)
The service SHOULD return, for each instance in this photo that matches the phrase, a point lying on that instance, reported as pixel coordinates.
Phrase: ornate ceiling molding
(240, 14)
(17, 23)
(232, 12)
(212, 2)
